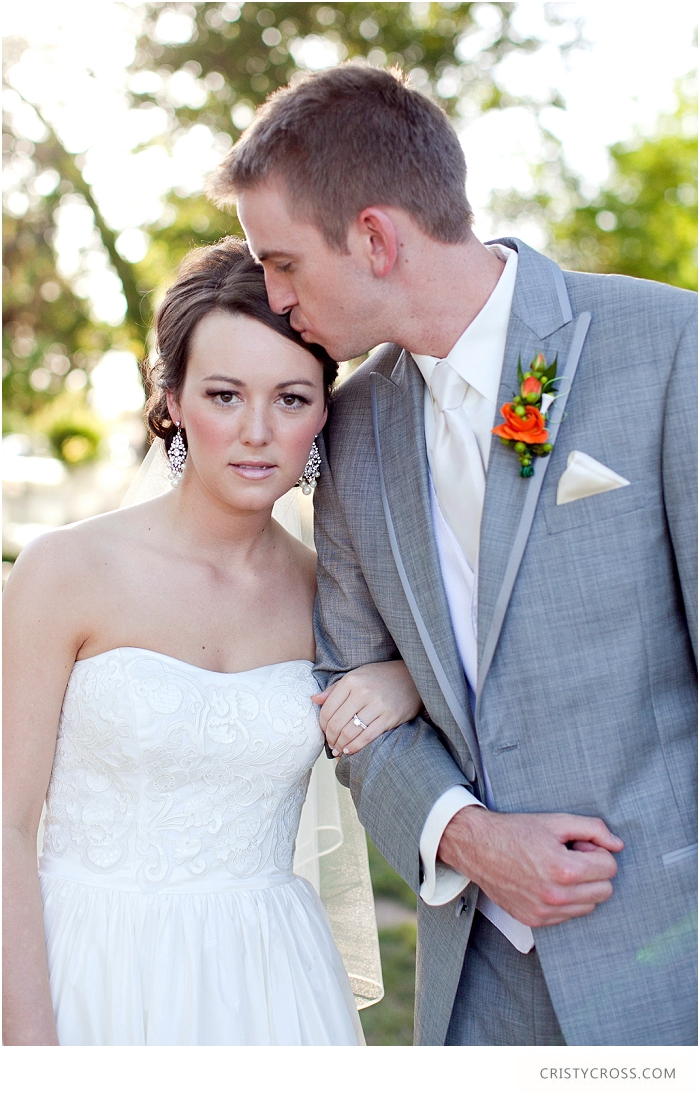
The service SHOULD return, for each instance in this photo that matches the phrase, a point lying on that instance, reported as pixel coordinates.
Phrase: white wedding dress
(172, 913)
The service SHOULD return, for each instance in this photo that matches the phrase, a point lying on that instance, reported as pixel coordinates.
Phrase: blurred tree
(50, 337)
(225, 59)
(213, 64)
(643, 222)
(206, 66)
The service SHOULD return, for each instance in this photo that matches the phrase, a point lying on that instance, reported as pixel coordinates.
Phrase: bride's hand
(382, 695)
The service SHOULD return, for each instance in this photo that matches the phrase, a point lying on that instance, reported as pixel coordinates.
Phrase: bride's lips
(253, 470)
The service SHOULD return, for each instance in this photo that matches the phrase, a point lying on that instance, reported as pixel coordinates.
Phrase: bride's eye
(293, 400)
(223, 396)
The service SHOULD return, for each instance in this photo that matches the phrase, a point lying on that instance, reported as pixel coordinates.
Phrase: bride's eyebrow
(241, 384)
(227, 380)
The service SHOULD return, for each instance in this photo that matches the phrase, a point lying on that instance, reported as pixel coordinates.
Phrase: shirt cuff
(441, 883)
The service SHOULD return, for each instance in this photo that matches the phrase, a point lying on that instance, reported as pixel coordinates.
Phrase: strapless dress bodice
(171, 778)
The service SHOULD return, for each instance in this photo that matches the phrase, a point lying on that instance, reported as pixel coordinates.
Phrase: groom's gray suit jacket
(587, 619)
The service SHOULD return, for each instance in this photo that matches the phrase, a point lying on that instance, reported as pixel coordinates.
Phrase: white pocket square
(584, 476)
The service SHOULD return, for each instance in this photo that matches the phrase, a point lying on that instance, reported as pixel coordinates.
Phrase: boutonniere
(525, 417)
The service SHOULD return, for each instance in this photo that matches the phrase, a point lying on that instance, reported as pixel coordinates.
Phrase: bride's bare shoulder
(302, 557)
(79, 548)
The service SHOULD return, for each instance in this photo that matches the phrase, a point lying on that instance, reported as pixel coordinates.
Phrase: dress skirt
(241, 967)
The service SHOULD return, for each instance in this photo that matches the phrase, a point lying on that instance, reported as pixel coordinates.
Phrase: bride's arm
(382, 695)
(39, 648)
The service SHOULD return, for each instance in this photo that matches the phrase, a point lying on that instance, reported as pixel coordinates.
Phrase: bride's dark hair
(220, 277)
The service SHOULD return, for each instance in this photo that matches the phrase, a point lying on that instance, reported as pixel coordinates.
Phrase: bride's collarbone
(224, 612)
(223, 625)
(232, 645)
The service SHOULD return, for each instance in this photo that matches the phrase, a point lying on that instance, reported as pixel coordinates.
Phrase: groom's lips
(303, 332)
(253, 470)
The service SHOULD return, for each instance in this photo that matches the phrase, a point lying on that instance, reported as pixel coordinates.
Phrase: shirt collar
(477, 356)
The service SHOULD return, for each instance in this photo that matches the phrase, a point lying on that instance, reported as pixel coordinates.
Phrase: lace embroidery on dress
(91, 804)
(183, 769)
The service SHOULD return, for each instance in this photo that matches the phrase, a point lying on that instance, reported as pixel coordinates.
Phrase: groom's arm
(679, 466)
(396, 780)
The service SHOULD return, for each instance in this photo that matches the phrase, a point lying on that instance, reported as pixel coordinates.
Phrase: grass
(386, 881)
(390, 1022)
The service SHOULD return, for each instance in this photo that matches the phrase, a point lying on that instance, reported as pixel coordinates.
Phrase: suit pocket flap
(680, 855)
(593, 509)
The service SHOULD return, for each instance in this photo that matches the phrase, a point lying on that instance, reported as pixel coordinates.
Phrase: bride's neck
(210, 525)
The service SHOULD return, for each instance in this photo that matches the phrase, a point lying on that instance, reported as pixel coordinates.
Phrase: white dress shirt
(477, 357)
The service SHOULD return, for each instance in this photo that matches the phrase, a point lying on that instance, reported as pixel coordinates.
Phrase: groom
(543, 598)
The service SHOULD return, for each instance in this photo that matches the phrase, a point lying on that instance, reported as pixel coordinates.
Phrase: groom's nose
(280, 294)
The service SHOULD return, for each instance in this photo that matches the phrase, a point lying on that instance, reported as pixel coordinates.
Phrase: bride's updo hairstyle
(221, 277)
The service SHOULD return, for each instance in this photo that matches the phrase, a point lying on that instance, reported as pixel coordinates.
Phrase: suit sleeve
(396, 780)
(679, 466)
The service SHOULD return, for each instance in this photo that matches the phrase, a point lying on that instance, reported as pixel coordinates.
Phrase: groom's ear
(378, 239)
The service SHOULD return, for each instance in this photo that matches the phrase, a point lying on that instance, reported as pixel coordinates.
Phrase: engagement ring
(358, 723)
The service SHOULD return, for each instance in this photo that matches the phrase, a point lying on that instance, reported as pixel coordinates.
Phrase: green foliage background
(238, 53)
(643, 222)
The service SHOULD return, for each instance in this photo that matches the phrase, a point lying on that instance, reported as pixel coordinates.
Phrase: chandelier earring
(312, 471)
(177, 456)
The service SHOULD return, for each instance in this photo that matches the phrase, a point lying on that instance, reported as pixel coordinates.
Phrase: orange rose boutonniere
(525, 417)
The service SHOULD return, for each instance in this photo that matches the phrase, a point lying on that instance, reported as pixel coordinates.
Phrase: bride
(159, 697)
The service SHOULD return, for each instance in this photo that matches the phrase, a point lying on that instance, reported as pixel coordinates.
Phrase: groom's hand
(541, 869)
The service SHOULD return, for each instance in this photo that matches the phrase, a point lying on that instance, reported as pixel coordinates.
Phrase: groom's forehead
(265, 206)
(266, 192)
(271, 228)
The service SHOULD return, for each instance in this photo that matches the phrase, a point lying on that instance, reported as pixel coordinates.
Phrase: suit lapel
(397, 408)
(541, 320)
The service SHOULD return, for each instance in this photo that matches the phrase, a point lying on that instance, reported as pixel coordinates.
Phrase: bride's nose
(255, 424)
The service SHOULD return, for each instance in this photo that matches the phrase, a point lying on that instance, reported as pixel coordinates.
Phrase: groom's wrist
(464, 830)
(439, 883)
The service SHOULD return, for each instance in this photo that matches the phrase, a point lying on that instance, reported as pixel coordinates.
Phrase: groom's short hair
(351, 137)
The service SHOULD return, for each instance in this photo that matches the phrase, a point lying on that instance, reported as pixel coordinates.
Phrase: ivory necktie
(455, 460)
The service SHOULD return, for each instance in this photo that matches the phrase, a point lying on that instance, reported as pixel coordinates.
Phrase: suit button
(470, 771)
(461, 904)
